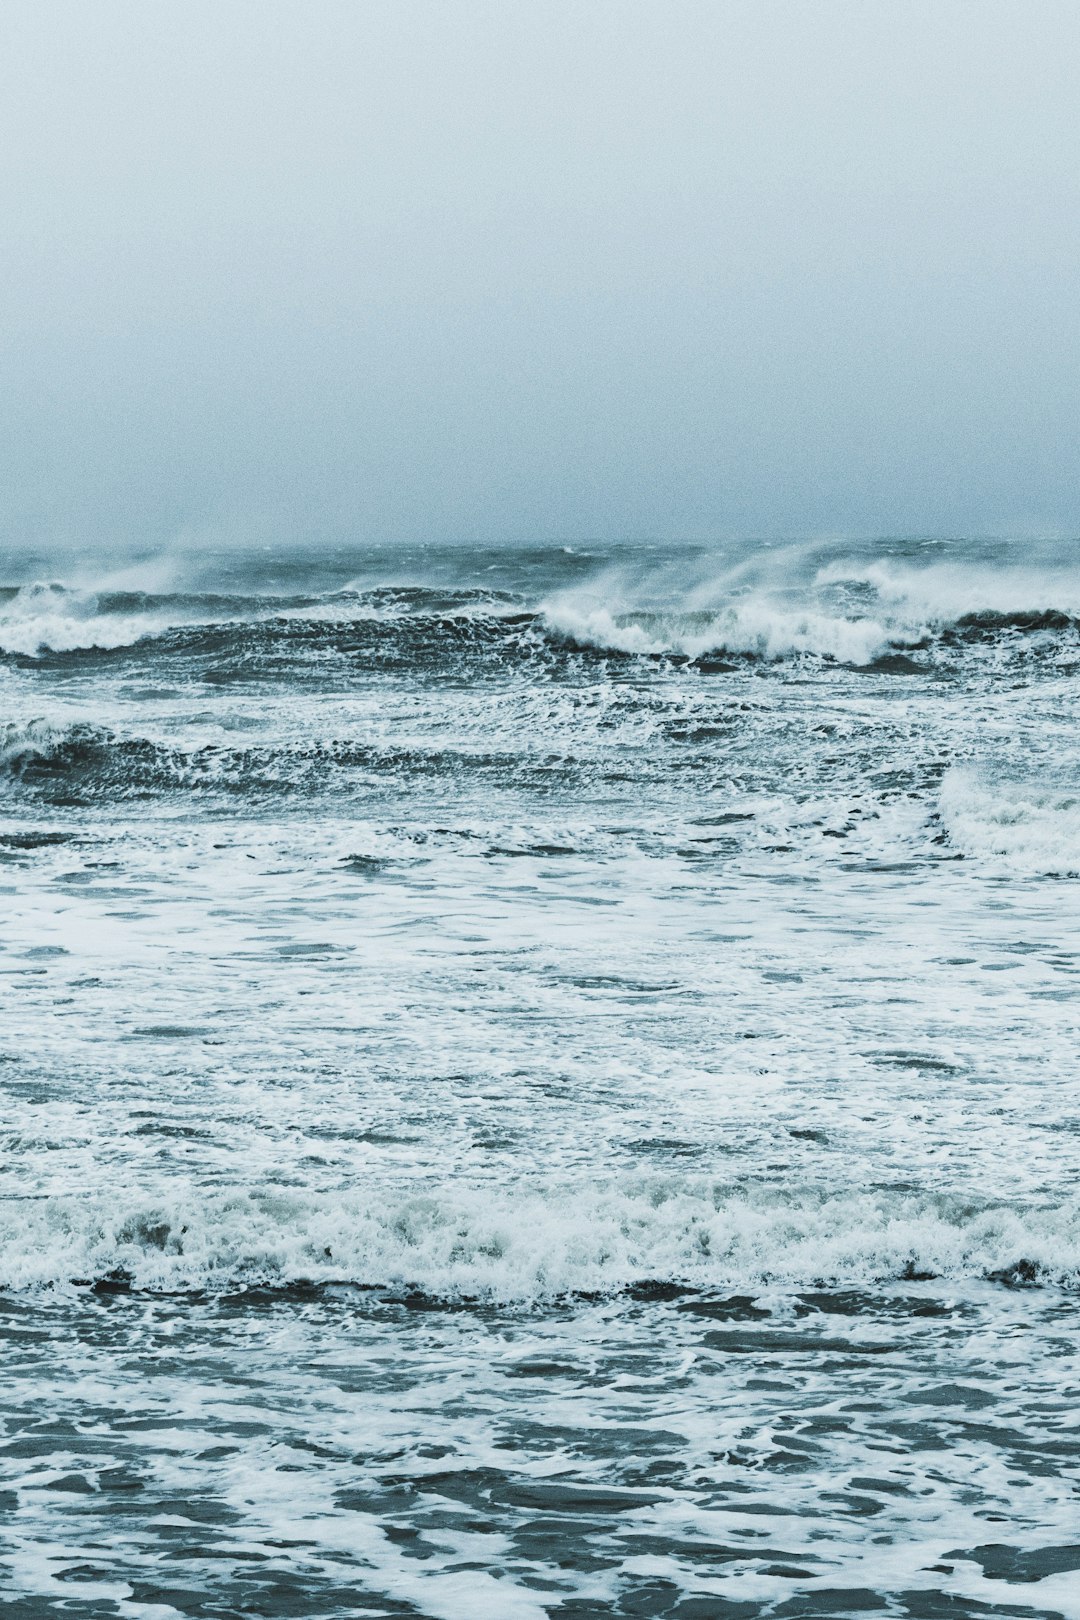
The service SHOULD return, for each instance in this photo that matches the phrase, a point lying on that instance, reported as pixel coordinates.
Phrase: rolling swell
(456, 634)
(382, 635)
(82, 762)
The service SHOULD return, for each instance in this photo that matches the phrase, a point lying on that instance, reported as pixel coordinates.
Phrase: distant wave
(41, 618)
(947, 592)
(531, 1245)
(49, 618)
(848, 614)
(852, 614)
(751, 630)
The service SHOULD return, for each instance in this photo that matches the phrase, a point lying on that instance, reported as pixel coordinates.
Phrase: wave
(1028, 827)
(770, 607)
(43, 619)
(533, 1245)
(755, 630)
(50, 618)
(952, 592)
(848, 612)
(40, 754)
(81, 760)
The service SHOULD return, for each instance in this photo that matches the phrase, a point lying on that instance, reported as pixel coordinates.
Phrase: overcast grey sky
(538, 269)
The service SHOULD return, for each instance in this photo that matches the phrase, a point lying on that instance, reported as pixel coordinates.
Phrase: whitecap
(1024, 826)
(533, 1243)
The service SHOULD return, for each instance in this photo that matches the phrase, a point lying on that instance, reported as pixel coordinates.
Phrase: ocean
(541, 1082)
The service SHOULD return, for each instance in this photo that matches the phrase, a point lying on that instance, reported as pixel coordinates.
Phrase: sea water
(541, 1082)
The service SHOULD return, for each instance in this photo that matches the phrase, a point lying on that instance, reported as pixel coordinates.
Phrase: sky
(331, 271)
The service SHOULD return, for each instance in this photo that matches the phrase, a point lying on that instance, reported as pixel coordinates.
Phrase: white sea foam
(50, 618)
(751, 1031)
(22, 742)
(43, 618)
(940, 593)
(770, 604)
(755, 628)
(777, 604)
(1026, 826)
(532, 1244)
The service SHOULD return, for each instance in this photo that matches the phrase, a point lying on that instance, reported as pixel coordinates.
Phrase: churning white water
(542, 1083)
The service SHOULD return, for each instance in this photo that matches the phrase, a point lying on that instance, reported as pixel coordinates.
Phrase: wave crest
(533, 1245)
(1024, 826)
(50, 618)
(753, 629)
(771, 605)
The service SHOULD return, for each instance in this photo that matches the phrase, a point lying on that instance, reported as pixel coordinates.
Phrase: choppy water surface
(541, 1083)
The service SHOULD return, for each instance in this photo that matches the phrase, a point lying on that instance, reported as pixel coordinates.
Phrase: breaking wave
(39, 619)
(1028, 827)
(750, 630)
(849, 612)
(534, 1245)
(844, 610)
(949, 592)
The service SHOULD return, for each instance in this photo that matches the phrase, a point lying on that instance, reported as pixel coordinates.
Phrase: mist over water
(540, 1080)
(396, 271)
